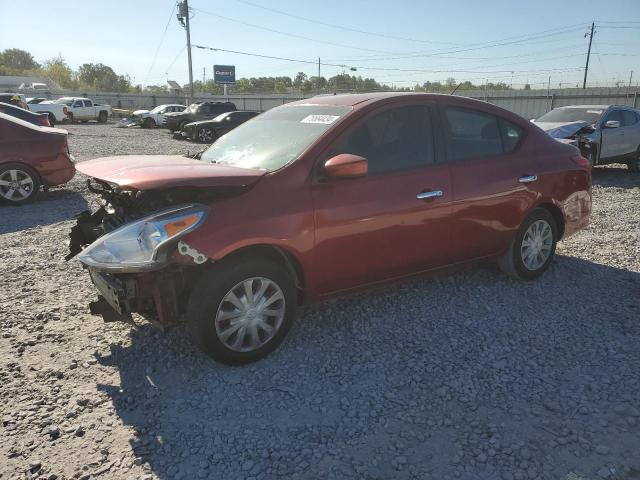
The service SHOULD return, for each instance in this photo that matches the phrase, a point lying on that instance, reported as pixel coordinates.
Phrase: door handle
(528, 179)
(429, 195)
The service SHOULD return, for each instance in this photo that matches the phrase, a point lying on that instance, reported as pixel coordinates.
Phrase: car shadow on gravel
(401, 376)
(50, 207)
(615, 176)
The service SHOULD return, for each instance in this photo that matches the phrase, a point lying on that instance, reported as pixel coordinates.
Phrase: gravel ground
(464, 375)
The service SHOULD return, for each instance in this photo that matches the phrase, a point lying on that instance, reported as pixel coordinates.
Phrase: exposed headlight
(143, 244)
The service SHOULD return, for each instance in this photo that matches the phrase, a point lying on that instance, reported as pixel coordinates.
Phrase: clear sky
(465, 39)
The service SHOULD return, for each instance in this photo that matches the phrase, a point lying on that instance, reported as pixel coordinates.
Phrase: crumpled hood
(140, 112)
(561, 129)
(148, 172)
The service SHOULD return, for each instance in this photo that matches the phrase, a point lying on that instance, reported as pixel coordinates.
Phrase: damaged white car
(604, 133)
(153, 118)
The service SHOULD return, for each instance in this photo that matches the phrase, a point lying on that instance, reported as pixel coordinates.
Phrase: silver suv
(604, 133)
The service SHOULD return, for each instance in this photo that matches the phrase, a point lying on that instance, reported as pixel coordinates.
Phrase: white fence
(528, 103)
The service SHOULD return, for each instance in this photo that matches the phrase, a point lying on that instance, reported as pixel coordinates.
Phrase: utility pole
(183, 18)
(586, 67)
(318, 75)
(629, 88)
(204, 69)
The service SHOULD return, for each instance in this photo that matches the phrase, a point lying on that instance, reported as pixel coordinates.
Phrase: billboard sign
(224, 74)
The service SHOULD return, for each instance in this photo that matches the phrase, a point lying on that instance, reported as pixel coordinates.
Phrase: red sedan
(31, 157)
(319, 197)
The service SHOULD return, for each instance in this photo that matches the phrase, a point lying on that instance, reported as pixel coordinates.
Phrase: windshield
(590, 115)
(277, 137)
(192, 108)
(157, 109)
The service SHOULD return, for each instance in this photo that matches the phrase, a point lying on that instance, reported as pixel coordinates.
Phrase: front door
(395, 220)
(613, 141)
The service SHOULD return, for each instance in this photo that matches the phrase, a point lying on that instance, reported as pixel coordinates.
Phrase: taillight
(582, 162)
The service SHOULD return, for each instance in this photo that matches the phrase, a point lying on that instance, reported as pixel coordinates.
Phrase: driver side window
(395, 140)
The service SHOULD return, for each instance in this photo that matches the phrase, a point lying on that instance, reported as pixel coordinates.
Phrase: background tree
(15, 61)
(58, 71)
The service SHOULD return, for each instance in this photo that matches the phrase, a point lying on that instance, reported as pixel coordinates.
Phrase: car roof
(360, 99)
(604, 107)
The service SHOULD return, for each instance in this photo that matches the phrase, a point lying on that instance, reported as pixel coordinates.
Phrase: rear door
(493, 186)
(631, 126)
(89, 110)
(378, 226)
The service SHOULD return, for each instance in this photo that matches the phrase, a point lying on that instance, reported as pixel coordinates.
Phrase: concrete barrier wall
(528, 103)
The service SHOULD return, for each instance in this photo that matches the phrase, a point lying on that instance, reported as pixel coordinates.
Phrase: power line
(343, 27)
(239, 52)
(155, 56)
(292, 35)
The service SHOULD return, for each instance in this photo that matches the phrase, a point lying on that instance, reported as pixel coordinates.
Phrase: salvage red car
(31, 156)
(320, 197)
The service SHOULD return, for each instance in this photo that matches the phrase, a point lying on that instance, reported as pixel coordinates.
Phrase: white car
(83, 109)
(153, 118)
(57, 112)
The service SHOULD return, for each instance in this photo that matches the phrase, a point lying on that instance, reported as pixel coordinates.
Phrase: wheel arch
(278, 254)
(557, 215)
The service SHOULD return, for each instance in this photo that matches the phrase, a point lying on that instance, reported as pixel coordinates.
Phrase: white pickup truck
(83, 109)
(57, 112)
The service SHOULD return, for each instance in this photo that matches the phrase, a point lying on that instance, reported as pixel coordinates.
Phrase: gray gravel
(464, 375)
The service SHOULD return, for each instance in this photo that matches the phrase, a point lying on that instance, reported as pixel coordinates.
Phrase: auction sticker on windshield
(323, 119)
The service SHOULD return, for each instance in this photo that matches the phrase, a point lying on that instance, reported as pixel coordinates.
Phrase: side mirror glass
(612, 124)
(346, 165)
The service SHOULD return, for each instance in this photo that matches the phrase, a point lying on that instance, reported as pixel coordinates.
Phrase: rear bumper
(60, 171)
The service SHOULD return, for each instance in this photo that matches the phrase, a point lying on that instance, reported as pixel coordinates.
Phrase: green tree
(58, 71)
(17, 61)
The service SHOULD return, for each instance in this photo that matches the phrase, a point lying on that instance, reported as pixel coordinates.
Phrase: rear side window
(472, 134)
(511, 135)
(394, 140)
(87, 103)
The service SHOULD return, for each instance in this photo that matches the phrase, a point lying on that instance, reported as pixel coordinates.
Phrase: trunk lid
(149, 172)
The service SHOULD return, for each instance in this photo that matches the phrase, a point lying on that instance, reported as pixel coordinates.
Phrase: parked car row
(70, 109)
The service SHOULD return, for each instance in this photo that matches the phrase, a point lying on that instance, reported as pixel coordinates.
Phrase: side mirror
(346, 165)
(612, 124)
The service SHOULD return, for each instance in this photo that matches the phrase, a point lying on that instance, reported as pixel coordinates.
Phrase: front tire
(19, 184)
(205, 135)
(148, 123)
(531, 251)
(241, 309)
(634, 165)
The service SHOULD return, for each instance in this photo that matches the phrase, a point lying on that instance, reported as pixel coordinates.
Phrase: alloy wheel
(250, 314)
(205, 135)
(537, 245)
(16, 185)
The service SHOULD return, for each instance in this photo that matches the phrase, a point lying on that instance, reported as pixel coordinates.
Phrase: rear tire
(19, 184)
(52, 119)
(220, 304)
(102, 117)
(532, 249)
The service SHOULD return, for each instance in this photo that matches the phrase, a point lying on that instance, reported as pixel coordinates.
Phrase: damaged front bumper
(155, 296)
(159, 295)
